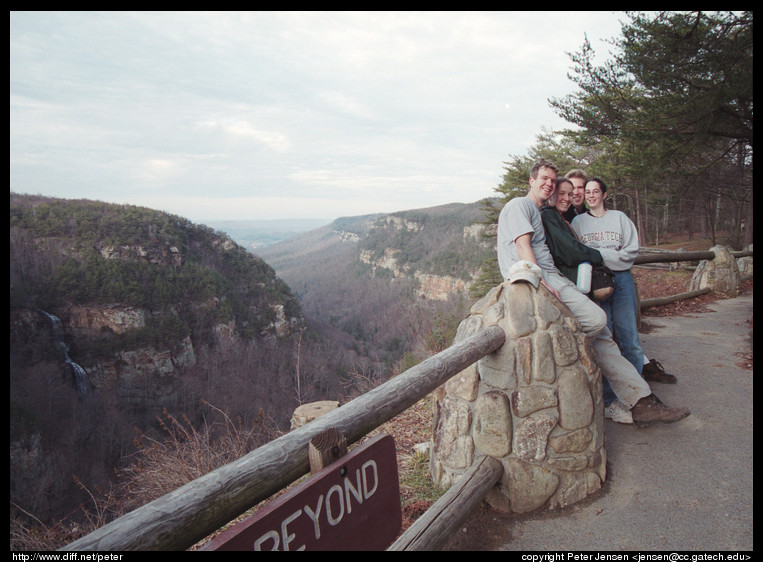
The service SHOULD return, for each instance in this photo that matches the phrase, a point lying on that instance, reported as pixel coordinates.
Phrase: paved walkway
(677, 487)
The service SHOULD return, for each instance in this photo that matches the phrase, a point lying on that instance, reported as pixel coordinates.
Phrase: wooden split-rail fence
(189, 514)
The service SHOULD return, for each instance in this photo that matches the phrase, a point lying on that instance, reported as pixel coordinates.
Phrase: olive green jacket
(568, 252)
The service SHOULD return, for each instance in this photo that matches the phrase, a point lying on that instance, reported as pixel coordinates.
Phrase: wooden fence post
(325, 448)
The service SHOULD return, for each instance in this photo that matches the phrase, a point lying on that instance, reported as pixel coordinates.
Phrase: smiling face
(542, 186)
(594, 195)
(578, 192)
(564, 196)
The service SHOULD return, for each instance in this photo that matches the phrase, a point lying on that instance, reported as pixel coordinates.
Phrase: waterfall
(81, 381)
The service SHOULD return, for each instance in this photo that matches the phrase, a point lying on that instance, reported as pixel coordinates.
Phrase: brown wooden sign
(352, 504)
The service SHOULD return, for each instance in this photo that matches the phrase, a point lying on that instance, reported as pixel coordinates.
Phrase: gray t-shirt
(521, 216)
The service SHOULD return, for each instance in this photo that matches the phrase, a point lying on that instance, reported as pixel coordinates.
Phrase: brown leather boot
(654, 372)
(650, 409)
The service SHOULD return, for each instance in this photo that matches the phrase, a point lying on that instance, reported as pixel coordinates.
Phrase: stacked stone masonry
(722, 274)
(535, 404)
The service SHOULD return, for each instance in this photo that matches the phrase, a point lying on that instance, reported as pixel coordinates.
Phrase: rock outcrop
(113, 317)
(146, 378)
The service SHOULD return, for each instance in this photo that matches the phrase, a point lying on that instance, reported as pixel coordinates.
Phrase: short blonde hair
(576, 173)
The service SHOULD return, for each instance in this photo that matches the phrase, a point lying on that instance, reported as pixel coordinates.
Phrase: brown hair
(552, 200)
(602, 185)
(542, 163)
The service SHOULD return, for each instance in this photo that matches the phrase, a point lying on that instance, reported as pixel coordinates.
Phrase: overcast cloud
(264, 115)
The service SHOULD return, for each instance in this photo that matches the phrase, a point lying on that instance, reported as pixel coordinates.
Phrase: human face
(578, 192)
(564, 194)
(542, 187)
(594, 196)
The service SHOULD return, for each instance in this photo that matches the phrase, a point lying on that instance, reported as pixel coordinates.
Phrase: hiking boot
(650, 410)
(618, 412)
(654, 372)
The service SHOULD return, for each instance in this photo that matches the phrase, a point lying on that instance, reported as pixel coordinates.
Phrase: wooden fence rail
(180, 519)
(682, 256)
(676, 257)
(437, 525)
(673, 257)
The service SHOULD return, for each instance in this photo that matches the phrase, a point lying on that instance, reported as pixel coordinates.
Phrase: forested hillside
(119, 313)
(160, 316)
(439, 241)
(393, 286)
(61, 250)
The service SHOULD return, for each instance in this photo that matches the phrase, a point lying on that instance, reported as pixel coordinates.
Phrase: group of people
(559, 224)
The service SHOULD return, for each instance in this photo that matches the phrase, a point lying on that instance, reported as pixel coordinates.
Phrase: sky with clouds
(266, 115)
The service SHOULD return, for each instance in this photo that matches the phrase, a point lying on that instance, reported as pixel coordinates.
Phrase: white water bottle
(584, 277)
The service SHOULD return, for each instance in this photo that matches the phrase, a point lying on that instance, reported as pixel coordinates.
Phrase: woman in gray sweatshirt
(615, 236)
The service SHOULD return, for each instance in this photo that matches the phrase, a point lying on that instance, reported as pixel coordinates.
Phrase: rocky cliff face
(118, 313)
(149, 377)
(137, 291)
(92, 319)
(430, 285)
(144, 378)
(380, 282)
(167, 255)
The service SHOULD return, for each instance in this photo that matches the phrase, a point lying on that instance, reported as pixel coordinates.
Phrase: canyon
(164, 316)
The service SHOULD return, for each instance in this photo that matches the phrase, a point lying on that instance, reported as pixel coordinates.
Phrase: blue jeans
(622, 320)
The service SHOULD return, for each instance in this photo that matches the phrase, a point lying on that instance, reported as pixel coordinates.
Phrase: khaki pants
(626, 382)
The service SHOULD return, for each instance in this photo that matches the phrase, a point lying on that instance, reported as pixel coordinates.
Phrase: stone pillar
(720, 274)
(745, 264)
(535, 404)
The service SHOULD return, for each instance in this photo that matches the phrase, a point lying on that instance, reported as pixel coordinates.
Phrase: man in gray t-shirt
(521, 216)
(520, 230)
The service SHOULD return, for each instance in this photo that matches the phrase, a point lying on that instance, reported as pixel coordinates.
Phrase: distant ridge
(256, 233)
